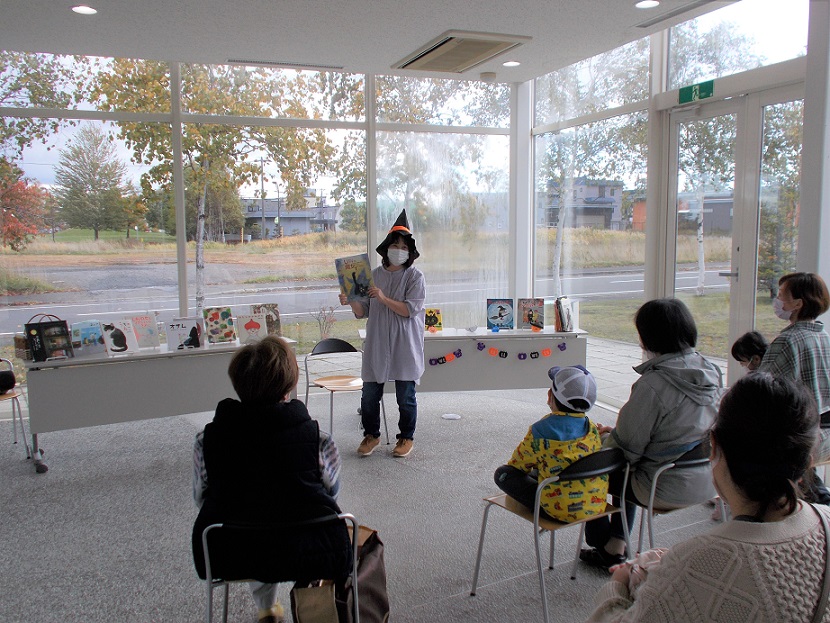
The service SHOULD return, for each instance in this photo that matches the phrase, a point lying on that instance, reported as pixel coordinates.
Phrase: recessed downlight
(84, 9)
(511, 63)
(647, 4)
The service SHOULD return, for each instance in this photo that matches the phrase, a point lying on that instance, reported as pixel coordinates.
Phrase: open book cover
(87, 338)
(119, 337)
(251, 327)
(273, 325)
(564, 313)
(184, 333)
(146, 330)
(500, 313)
(355, 276)
(219, 325)
(531, 314)
(432, 320)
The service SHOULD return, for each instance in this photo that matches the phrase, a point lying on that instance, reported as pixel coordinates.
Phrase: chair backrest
(333, 345)
(699, 455)
(599, 463)
(318, 548)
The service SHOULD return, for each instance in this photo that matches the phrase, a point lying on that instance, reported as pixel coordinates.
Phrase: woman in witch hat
(394, 347)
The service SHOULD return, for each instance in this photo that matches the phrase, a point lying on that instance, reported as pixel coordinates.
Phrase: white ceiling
(363, 36)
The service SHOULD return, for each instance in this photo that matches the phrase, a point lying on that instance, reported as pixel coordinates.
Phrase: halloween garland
(495, 352)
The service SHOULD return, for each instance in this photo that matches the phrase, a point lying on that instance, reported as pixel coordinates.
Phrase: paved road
(101, 293)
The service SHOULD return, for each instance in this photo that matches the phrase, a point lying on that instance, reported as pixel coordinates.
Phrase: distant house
(590, 203)
(318, 215)
(717, 213)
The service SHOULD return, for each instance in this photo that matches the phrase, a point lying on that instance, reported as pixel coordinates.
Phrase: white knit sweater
(740, 572)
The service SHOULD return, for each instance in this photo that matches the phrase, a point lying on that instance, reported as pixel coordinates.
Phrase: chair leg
(578, 550)
(331, 414)
(385, 425)
(225, 607)
(540, 573)
(643, 513)
(650, 528)
(552, 547)
(209, 613)
(480, 547)
(17, 415)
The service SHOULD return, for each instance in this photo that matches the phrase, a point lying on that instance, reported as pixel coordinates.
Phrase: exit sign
(696, 92)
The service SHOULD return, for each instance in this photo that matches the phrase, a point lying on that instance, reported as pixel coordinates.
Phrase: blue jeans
(407, 405)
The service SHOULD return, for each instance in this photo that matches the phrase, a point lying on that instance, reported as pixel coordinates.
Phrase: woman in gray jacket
(670, 411)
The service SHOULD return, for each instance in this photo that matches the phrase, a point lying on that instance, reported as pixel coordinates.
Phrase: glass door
(734, 172)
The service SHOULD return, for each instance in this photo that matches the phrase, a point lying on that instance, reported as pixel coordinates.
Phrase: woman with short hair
(769, 563)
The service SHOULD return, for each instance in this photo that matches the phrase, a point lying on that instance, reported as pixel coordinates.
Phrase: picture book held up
(251, 327)
(119, 337)
(272, 317)
(499, 314)
(146, 330)
(219, 325)
(186, 332)
(355, 276)
(432, 320)
(531, 314)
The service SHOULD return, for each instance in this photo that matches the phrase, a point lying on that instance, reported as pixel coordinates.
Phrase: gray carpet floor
(104, 535)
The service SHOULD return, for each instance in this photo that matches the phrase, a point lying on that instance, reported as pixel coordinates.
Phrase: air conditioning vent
(456, 51)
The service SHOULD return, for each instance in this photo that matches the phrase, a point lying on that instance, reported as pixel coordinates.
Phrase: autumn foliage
(23, 205)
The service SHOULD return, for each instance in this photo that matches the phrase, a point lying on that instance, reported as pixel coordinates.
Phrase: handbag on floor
(314, 604)
(372, 596)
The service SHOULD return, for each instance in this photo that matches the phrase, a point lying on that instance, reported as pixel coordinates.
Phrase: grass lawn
(88, 235)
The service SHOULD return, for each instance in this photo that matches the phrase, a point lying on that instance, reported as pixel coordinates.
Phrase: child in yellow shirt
(552, 444)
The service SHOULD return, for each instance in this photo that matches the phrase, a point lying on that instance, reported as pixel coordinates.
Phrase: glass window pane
(454, 189)
(265, 92)
(311, 184)
(590, 222)
(442, 102)
(605, 81)
(738, 37)
(780, 200)
(80, 238)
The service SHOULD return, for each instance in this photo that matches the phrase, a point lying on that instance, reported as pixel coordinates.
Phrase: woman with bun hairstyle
(767, 564)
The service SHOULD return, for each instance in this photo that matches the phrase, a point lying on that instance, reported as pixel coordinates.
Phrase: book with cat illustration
(432, 320)
(355, 276)
(219, 325)
(87, 338)
(564, 313)
(146, 330)
(251, 327)
(272, 317)
(119, 337)
(185, 333)
(531, 314)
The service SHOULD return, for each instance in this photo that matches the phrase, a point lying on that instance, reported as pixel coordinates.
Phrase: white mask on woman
(397, 257)
(778, 308)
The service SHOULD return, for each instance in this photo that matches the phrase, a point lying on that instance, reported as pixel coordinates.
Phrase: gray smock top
(394, 346)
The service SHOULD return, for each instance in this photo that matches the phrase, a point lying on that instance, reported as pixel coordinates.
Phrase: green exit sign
(696, 92)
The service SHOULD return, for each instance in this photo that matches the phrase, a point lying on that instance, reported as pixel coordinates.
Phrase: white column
(814, 215)
(522, 221)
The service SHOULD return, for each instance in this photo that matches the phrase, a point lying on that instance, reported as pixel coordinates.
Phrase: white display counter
(90, 391)
(508, 359)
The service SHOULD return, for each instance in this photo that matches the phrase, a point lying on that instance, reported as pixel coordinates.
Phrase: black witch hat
(400, 228)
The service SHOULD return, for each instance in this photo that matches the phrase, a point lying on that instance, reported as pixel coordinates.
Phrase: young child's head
(264, 372)
(573, 389)
(749, 349)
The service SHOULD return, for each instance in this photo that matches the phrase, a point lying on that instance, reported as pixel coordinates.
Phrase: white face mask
(397, 257)
(778, 308)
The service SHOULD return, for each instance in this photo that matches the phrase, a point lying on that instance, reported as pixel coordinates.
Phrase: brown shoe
(368, 445)
(402, 448)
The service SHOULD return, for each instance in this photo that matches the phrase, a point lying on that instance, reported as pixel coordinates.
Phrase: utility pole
(262, 195)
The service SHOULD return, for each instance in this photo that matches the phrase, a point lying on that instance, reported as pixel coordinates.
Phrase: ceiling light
(84, 10)
(647, 4)
(511, 63)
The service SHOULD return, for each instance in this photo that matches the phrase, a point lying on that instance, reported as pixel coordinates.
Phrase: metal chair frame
(214, 583)
(13, 395)
(603, 462)
(339, 383)
(697, 456)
